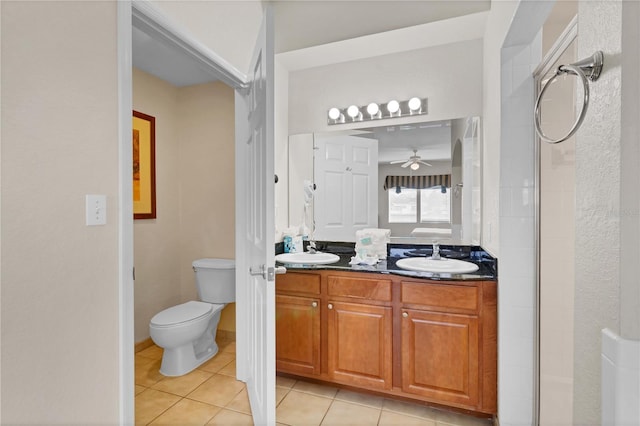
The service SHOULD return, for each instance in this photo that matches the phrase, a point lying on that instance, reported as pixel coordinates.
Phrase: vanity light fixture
(393, 107)
(414, 105)
(336, 115)
(377, 111)
(373, 110)
(354, 112)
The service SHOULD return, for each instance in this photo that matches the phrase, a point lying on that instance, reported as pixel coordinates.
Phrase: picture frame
(144, 166)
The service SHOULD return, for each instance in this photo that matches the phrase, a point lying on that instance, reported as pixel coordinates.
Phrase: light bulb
(393, 106)
(373, 108)
(415, 166)
(334, 113)
(353, 111)
(414, 104)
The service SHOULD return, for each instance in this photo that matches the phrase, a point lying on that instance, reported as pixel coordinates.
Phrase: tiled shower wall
(517, 235)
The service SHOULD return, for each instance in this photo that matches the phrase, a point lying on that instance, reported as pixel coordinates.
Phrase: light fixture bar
(374, 111)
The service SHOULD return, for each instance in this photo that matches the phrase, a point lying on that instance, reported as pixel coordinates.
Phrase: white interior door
(255, 283)
(346, 176)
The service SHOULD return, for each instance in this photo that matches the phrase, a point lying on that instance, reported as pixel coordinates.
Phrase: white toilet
(187, 332)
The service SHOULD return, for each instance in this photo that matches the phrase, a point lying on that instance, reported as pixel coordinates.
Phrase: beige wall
(60, 344)
(195, 193)
(157, 241)
(207, 183)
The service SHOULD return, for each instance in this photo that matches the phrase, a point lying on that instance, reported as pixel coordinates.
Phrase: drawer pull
(330, 306)
(314, 305)
(405, 315)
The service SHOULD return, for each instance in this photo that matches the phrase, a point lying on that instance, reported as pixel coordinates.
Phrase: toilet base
(183, 359)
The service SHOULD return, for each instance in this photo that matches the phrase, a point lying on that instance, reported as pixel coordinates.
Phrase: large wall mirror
(420, 180)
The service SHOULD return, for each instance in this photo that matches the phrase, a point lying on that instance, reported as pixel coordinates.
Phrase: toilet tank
(216, 280)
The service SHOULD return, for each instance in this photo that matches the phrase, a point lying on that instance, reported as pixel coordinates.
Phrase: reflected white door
(346, 176)
(255, 283)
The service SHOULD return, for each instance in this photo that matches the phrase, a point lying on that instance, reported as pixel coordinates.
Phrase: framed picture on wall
(144, 166)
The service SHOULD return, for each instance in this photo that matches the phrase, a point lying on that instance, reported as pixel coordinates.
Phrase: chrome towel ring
(587, 69)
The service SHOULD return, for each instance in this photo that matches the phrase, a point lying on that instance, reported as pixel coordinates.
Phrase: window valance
(417, 182)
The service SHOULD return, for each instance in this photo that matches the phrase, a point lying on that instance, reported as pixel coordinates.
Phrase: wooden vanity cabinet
(427, 340)
(443, 353)
(298, 323)
(439, 356)
(359, 332)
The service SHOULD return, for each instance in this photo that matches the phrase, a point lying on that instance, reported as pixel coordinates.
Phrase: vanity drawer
(446, 297)
(359, 288)
(293, 282)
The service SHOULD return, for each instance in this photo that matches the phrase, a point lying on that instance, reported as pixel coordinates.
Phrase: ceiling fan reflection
(413, 162)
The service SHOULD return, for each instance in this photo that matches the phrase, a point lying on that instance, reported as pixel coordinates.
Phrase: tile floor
(210, 395)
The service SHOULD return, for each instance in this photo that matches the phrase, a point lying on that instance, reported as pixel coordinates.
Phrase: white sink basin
(317, 258)
(427, 264)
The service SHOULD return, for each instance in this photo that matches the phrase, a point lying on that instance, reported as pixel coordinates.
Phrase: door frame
(144, 15)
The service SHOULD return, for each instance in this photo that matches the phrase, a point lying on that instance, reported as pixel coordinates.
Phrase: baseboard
(226, 335)
(140, 346)
(221, 335)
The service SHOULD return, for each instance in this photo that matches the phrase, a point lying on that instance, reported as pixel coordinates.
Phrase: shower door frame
(564, 40)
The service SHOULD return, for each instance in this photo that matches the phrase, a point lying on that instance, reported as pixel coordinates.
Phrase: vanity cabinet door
(298, 334)
(359, 345)
(440, 356)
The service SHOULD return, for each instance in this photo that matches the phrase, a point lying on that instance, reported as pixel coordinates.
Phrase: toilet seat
(183, 314)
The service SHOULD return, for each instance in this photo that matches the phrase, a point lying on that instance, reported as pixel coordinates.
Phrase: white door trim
(125, 217)
(146, 16)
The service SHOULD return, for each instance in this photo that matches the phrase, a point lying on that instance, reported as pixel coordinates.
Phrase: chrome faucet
(435, 255)
(311, 248)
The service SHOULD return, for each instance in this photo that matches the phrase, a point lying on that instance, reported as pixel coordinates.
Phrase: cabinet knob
(405, 315)
(330, 306)
(314, 305)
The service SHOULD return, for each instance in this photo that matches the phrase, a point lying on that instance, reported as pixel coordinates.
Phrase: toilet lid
(182, 313)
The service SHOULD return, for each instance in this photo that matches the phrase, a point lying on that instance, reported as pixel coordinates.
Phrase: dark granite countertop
(488, 266)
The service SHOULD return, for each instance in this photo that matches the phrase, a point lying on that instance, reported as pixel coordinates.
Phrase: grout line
(326, 412)
(379, 417)
(167, 409)
(287, 390)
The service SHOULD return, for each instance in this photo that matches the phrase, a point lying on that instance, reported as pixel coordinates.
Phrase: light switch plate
(96, 210)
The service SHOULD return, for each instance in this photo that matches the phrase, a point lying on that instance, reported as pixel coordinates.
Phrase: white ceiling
(431, 140)
(304, 24)
(313, 33)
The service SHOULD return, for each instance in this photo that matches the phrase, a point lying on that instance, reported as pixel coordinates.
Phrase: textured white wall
(630, 174)
(60, 313)
(599, 185)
